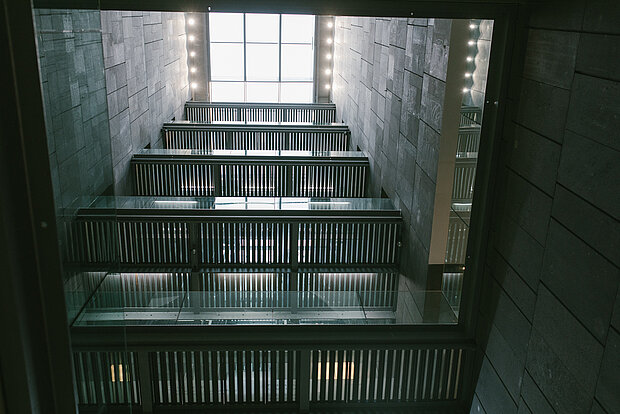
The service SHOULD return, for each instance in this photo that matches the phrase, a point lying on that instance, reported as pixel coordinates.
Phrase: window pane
(262, 62)
(296, 92)
(262, 92)
(226, 61)
(297, 28)
(226, 27)
(262, 28)
(227, 91)
(297, 62)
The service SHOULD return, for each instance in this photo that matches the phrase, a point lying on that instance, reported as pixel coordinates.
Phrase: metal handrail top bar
(258, 126)
(258, 208)
(251, 156)
(268, 105)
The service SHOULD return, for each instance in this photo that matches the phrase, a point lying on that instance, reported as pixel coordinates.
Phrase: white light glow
(468, 75)
(191, 38)
(193, 70)
(192, 54)
(328, 56)
(328, 86)
(330, 24)
(469, 58)
(194, 85)
(328, 71)
(465, 90)
(329, 40)
(472, 26)
(191, 21)
(471, 43)
(176, 201)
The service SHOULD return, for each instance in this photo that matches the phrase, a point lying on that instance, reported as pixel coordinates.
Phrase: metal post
(144, 380)
(303, 381)
(193, 245)
(293, 245)
(289, 180)
(217, 180)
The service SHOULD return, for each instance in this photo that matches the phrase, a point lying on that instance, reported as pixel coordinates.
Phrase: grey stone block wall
(549, 329)
(389, 82)
(145, 59)
(74, 93)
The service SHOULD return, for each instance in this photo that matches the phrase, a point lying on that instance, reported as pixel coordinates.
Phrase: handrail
(238, 111)
(222, 231)
(256, 136)
(249, 173)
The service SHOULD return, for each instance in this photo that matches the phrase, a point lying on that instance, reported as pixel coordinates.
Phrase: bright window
(261, 57)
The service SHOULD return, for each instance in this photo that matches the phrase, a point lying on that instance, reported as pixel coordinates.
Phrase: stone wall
(389, 83)
(74, 93)
(145, 59)
(549, 328)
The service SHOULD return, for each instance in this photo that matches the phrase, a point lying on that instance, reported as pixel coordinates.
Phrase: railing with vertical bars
(248, 375)
(256, 136)
(234, 231)
(263, 112)
(249, 173)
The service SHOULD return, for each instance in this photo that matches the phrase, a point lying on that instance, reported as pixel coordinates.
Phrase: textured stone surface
(389, 84)
(146, 79)
(556, 230)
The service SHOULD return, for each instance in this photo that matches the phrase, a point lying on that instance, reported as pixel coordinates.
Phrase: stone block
(590, 170)
(428, 151)
(594, 110)
(492, 394)
(590, 224)
(533, 157)
(550, 57)
(521, 294)
(599, 55)
(609, 381)
(583, 280)
(533, 397)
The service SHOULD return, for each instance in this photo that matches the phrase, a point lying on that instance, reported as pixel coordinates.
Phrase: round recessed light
(191, 21)
(327, 86)
(328, 56)
(328, 71)
(469, 58)
(465, 90)
(468, 75)
(191, 38)
(471, 43)
(194, 85)
(330, 24)
(329, 40)
(472, 26)
(193, 70)
(192, 54)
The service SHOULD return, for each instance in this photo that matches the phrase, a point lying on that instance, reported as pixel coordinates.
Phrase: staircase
(249, 271)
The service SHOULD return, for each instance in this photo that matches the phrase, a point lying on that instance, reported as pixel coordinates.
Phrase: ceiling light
(328, 71)
(194, 85)
(329, 40)
(465, 90)
(471, 43)
(472, 26)
(327, 86)
(191, 38)
(328, 56)
(330, 24)
(468, 75)
(193, 70)
(192, 54)
(191, 21)
(469, 58)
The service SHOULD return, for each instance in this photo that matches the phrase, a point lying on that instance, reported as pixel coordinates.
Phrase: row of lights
(470, 59)
(191, 38)
(328, 56)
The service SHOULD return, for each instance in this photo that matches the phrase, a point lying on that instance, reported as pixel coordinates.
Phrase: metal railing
(249, 173)
(464, 178)
(264, 112)
(254, 232)
(256, 136)
(206, 376)
(471, 115)
(458, 233)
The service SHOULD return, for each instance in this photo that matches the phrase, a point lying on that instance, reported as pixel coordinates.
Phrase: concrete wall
(389, 82)
(74, 93)
(145, 59)
(550, 317)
